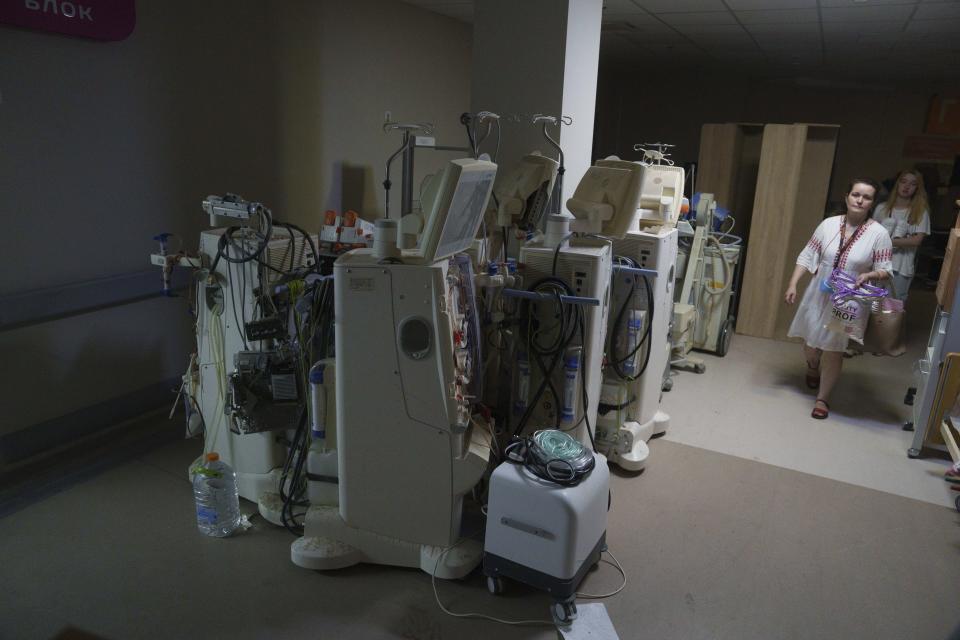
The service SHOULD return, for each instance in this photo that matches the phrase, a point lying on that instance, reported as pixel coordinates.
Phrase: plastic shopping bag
(848, 316)
(851, 305)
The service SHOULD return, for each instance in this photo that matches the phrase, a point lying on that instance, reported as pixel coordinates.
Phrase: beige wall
(874, 120)
(102, 145)
(344, 65)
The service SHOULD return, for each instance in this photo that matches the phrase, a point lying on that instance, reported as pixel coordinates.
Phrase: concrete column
(539, 56)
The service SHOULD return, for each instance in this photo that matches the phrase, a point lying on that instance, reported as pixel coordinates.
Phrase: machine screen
(466, 209)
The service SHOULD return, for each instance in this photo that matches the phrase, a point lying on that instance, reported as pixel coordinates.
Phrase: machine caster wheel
(957, 503)
(726, 335)
(667, 385)
(907, 426)
(495, 585)
(700, 368)
(913, 453)
(564, 612)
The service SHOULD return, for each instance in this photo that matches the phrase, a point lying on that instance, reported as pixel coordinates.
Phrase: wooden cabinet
(793, 180)
(727, 167)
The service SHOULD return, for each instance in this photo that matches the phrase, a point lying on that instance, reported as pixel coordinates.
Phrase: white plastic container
(215, 493)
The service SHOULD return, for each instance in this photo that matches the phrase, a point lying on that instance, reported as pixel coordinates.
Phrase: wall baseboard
(60, 432)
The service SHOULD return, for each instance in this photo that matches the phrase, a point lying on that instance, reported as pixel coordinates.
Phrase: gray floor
(753, 404)
(766, 543)
(715, 546)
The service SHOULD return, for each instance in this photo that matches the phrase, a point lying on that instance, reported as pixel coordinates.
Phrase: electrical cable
(233, 304)
(616, 362)
(296, 454)
(619, 568)
(480, 616)
(556, 253)
(548, 356)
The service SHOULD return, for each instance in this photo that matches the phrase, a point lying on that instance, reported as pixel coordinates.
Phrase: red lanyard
(845, 246)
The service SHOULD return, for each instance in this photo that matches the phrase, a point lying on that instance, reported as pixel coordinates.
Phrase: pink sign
(96, 19)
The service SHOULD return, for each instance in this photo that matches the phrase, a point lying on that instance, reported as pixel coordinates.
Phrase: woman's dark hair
(870, 182)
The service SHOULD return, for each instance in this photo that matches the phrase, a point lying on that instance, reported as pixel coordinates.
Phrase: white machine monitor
(524, 193)
(607, 198)
(661, 196)
(452, 217)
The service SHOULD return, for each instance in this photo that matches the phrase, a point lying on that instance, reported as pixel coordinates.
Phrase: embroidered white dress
(871, 250)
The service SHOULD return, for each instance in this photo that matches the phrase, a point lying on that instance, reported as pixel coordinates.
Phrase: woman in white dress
(861, 247)
(906, 217)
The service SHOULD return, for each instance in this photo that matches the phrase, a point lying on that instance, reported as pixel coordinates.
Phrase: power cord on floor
(481, 616)
(619, 567)
(589, 596)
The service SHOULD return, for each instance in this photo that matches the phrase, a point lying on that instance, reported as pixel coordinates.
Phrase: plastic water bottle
(215, 492)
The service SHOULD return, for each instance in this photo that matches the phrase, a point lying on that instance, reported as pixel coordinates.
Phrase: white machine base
(330, 544)
(628, 449)
(270, 506)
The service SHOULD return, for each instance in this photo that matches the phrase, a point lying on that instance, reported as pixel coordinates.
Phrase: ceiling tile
(619, 45)
(862, 13)
(708, 17)
(632, 18)
(877, 42)
(787, 39)
(861, 3)
(937, 11)
(660, 6)
(713, 29)
(750, 5)
(658, 40)
(785, 16)
(864, 27)
(621, 6)
(944, 46)
(795, 28)
(951, 26)
(782, 50)
(462, 12)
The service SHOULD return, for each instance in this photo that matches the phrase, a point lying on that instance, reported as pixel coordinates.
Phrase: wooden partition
(727, 167)
(796, 162)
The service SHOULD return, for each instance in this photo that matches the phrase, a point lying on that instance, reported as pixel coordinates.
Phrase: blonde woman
(906, 217)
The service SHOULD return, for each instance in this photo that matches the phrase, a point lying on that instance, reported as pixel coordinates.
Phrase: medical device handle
(533, 295)
(636, 270)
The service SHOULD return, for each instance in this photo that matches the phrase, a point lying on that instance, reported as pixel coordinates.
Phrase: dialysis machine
(641, 308)
(406, 364)
(548, 501)
(242, 384)
(560, 349)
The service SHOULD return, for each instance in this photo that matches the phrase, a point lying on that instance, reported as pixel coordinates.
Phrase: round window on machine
(416, 338)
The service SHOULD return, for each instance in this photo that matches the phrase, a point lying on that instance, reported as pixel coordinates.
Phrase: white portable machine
(407, 452)
(546, 525)
(638, 351)
(351, 404)
(567, 326)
